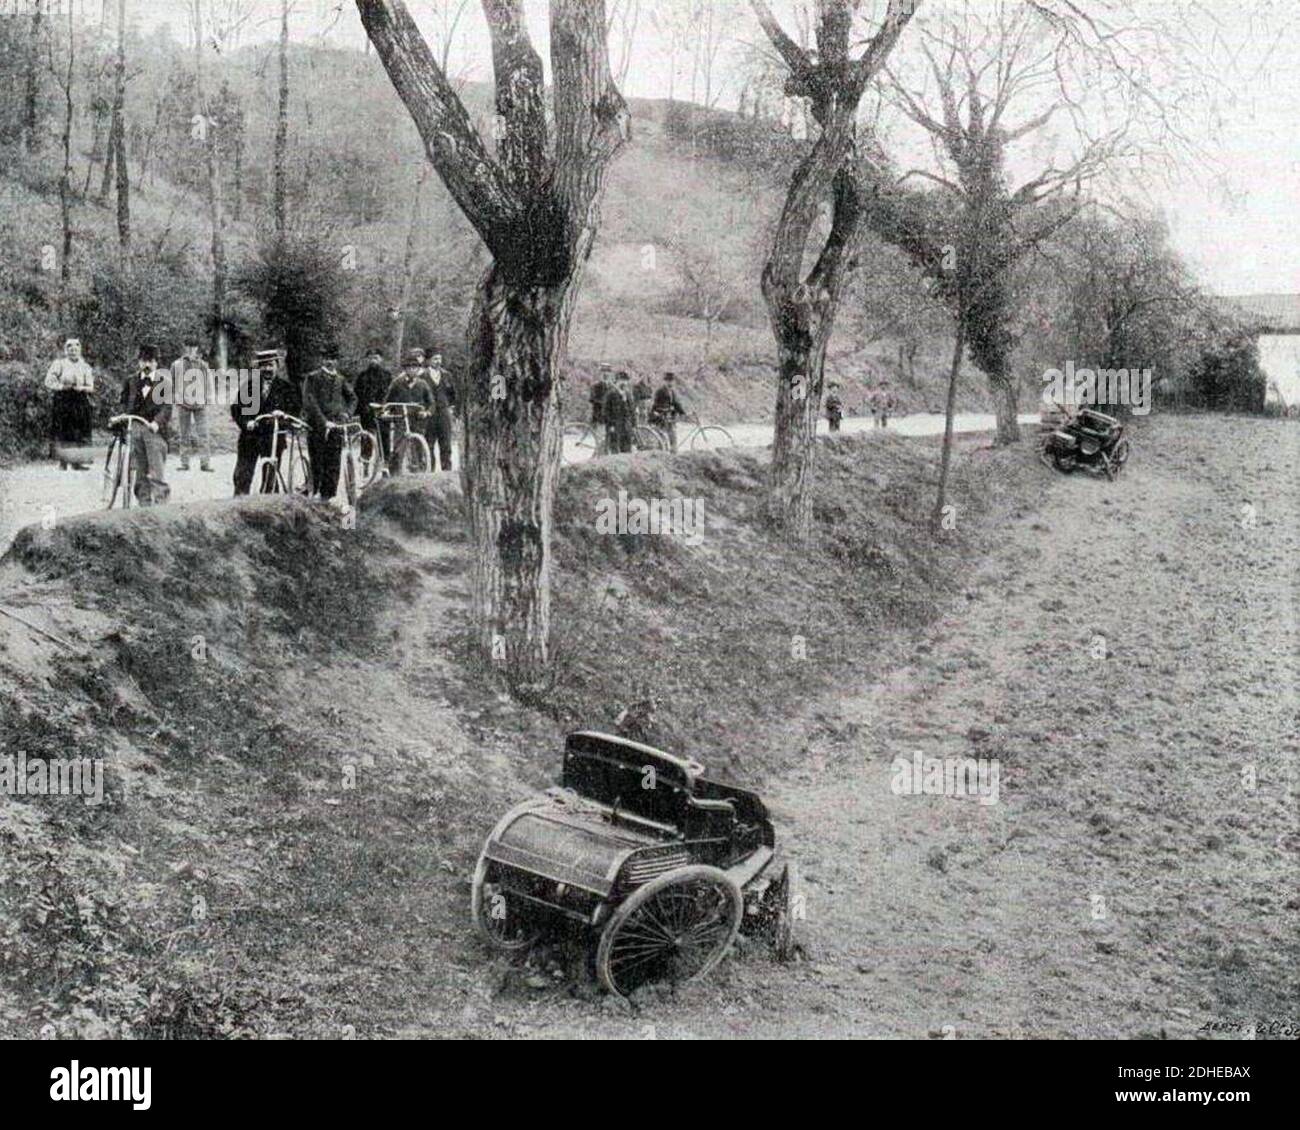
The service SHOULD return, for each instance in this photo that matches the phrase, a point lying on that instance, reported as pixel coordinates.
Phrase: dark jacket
(641, 390)
(282, 395)
(327, 397)
(834, 406)
(666, 407)
(598, 393)
(416, 390)
(149, 398)
(444, 396)
(620, 408)
(371, 387)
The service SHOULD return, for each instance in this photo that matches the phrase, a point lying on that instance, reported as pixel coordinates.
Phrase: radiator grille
(642, 868)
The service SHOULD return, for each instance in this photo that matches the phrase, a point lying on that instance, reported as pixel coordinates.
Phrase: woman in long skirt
(72, 382)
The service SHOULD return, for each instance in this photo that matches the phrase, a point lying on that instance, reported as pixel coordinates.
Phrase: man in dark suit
(620, 415)
(439, 427)
(371, 386)
(327, 398)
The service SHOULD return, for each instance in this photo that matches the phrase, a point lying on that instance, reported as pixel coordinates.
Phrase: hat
(263, 356)
(412, 357)
(435, 358)
(148, 353)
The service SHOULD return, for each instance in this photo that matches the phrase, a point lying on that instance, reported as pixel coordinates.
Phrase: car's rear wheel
(674, 929)
(502, 920)
(1065, 461)
(787, 899)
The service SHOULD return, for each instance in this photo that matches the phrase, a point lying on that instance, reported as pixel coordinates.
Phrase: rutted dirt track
(1129, 655)
(1139, 873)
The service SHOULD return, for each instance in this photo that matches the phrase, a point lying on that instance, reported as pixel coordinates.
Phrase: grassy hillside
(301, 768)
(355, 158)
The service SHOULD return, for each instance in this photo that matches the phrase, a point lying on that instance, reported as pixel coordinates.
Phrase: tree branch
(471, 174)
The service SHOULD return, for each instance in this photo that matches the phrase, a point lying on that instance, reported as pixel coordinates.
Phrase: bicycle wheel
(368, 458)
(350, 475)
(299, 471)
(266, 476)
(648, 438)
(112, 475)
(711, 435)
(414, 457)
(581, 440)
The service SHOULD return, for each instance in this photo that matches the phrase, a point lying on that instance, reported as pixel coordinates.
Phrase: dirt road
(40, 492)
(1131, 660)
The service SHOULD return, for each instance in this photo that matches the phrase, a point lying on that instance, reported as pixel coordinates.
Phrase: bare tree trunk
(118, 155)
(238, 209)
(958, 349)
(31, 95)
(282, 126)
(538, 213)
(65, 181)
(110, 150)
(1002, 387)
(408, 265)
(218, 316)
(802, 304)
(798, 403)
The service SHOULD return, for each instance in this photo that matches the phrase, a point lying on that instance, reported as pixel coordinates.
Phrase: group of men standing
(183, 393)
(327, 396)
(619, 406)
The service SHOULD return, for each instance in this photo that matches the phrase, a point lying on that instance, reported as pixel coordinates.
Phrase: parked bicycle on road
(269, 474)
(349, 463)
(119, 475)
(408, 451)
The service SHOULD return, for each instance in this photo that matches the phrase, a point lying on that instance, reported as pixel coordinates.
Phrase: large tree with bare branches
(978, 230)
(536, 205)
(802, 301)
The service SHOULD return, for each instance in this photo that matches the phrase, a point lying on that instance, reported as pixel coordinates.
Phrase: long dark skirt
(70, 417)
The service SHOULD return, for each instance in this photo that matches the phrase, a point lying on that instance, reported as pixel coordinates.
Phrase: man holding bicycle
(327, 398)
(371, 386)
(667, 409)
(147, 394)
(408, 387)
(620, 415)
(267, 389)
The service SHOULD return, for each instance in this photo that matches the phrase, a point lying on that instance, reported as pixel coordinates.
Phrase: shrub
(24, 411)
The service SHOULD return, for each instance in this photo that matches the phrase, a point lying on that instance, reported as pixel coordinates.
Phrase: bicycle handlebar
(113, 421)
(278, 415)
(330, 426)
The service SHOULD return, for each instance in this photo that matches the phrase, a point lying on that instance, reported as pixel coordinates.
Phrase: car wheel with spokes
(674, 929)
(502, 919)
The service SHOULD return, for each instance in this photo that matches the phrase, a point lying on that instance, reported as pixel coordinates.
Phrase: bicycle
(408, 454)
(267, 472)
(700, 438)
(349, 471)
(584, 439)
(370, 456)
(119, 474)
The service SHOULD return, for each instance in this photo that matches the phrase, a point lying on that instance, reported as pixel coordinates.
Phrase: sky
(1232, 210)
